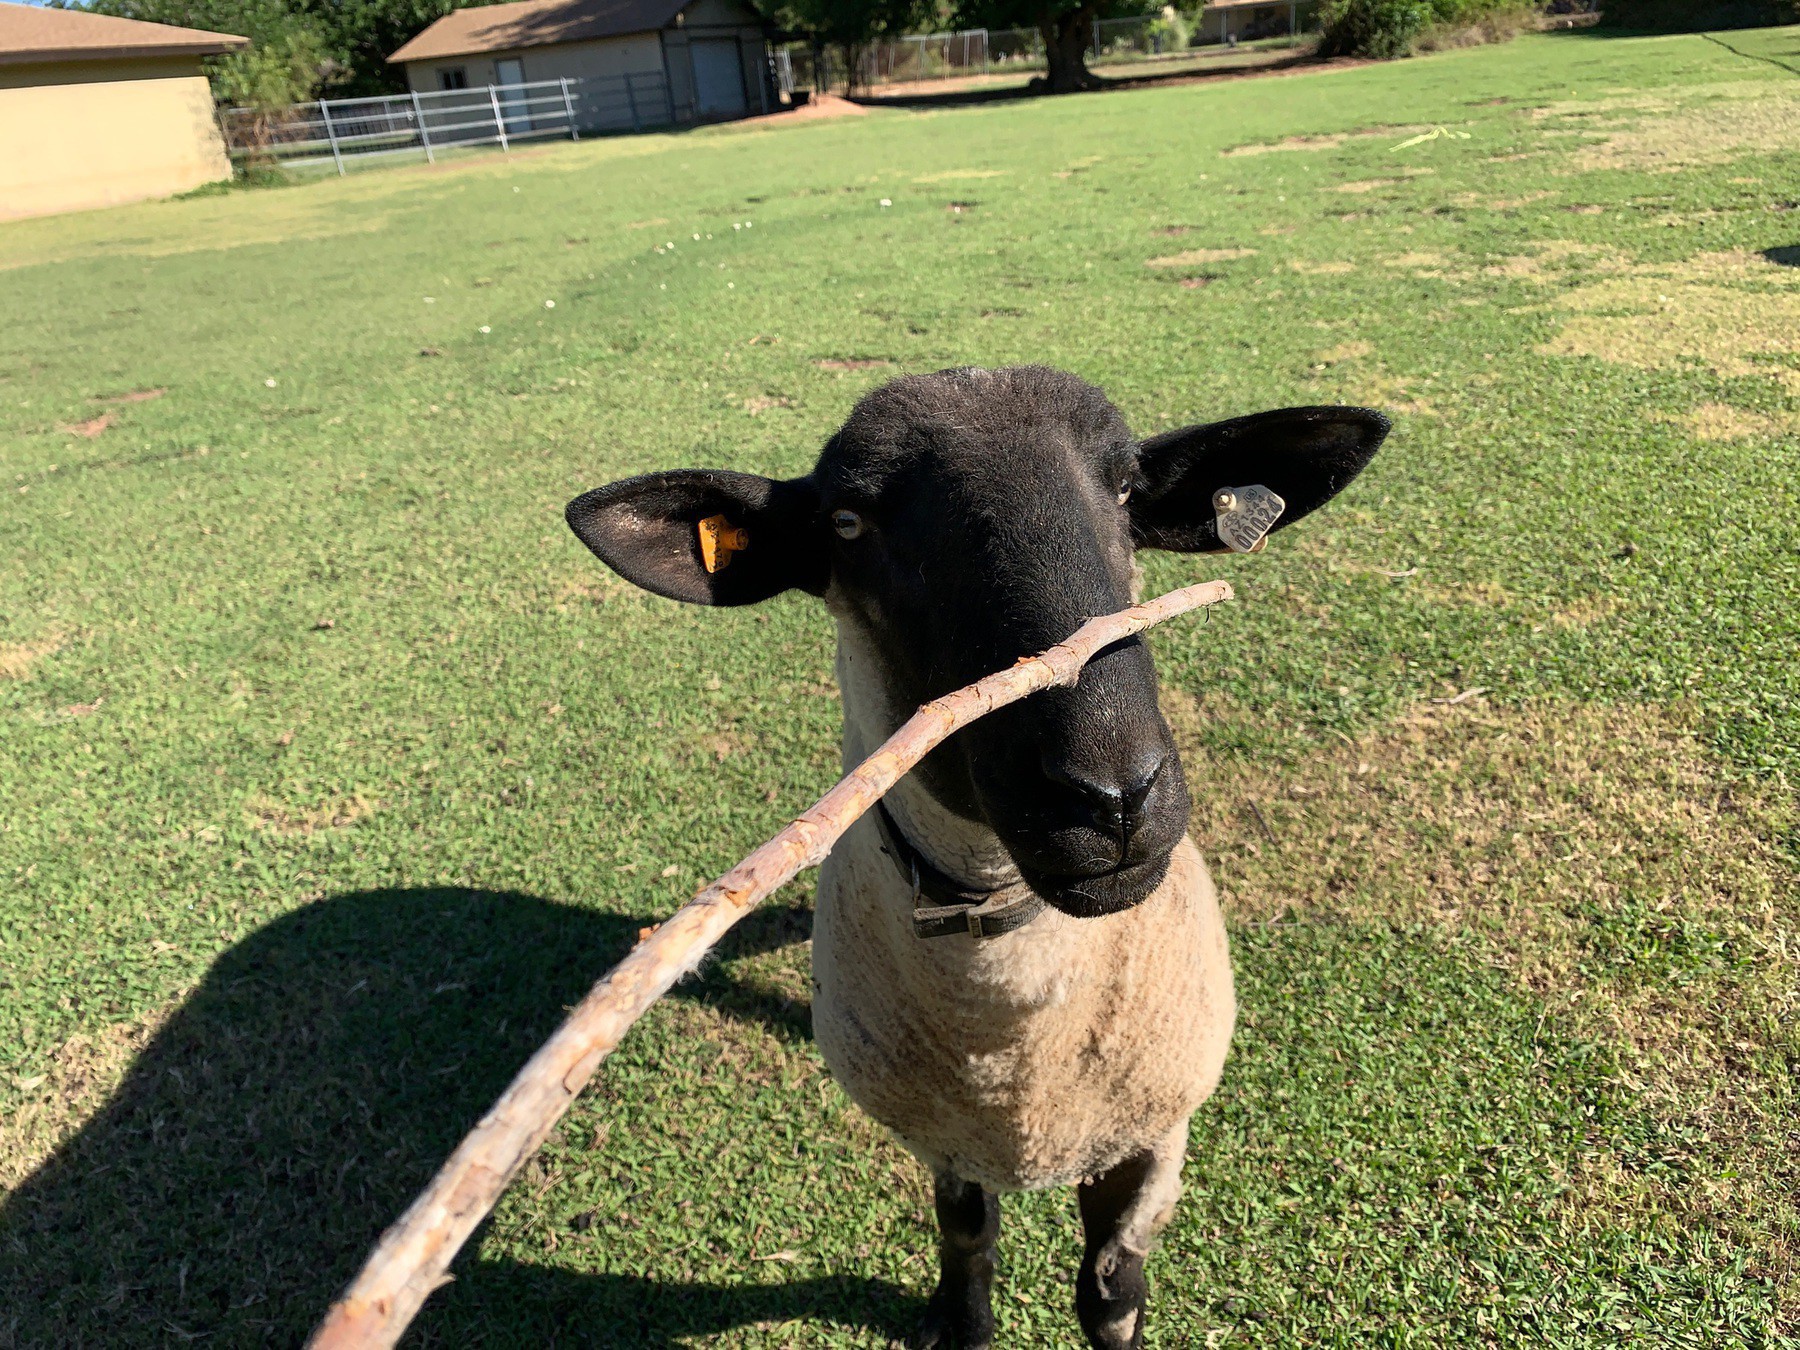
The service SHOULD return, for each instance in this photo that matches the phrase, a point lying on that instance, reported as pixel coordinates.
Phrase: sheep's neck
(969, 852)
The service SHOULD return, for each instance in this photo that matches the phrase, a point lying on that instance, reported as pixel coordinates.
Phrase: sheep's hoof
(954, 1321)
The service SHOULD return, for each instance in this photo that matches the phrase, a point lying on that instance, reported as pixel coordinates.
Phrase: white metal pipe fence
(332, 131)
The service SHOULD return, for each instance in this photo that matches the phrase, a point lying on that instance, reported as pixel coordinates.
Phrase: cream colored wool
(1037, 1058)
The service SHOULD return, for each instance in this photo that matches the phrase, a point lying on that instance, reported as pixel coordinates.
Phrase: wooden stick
(414, 1254)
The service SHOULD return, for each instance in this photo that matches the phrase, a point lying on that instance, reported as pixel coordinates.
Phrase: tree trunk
(1066, 37)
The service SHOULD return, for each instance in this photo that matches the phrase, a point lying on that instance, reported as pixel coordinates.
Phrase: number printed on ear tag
(1246, 515)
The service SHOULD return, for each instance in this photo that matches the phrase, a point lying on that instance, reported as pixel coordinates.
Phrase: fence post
(1293, 18)
(1096, 37)
(499, 121)
(331, 134)
(424, 135)
(569, 103)
(637, 122)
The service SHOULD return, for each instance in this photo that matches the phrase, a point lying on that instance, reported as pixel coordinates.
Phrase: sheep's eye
(847, 523)
(1124, 492)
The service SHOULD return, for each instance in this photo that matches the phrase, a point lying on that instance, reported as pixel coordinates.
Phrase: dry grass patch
(841, 364)
(1344, 351)
(1478, 202)
(595, 588)
(1716, 311)
(1714, 125)
(265, 813)
(1722, 422)
(1424, 262)
(1606, 859)
(958, 175)
(61, 1096)
(1195, 256)
(19, 660)
(1309, 268)
(1391, 393)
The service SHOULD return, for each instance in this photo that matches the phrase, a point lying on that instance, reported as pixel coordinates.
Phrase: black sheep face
(965, 519)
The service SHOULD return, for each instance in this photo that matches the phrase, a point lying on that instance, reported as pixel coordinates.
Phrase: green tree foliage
(356, 36)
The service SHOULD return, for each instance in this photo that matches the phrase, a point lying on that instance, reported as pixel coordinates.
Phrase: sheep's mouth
(1111, 892)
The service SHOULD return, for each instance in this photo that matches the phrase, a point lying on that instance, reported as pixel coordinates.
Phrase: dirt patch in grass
(90, 428)
(1600, 854)
(132, 396)
(1361, 185)
(1722, 422)
(1735, 314)
(18, 660)
(1306, 267)
(764, 402)
(1328, 141)
(1194, 257)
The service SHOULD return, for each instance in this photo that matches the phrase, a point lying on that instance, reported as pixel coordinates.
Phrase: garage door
(718, 77)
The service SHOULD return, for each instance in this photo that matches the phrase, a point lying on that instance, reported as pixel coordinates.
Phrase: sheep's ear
(1304, 456)
(705, 535)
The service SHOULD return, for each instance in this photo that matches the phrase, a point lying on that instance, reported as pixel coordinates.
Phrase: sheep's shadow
(300, 1096)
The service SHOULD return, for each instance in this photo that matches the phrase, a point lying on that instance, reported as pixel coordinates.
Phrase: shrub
(1382, 29)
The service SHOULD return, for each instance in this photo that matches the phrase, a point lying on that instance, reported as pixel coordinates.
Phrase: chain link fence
(985, 51)
(335, 131)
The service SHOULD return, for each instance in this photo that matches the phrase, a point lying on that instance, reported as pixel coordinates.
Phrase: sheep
(1019, 963)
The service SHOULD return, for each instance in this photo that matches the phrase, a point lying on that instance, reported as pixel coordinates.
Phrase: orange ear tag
(719, 539)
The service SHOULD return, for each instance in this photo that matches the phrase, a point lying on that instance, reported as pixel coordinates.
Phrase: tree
(269, 77)
(1067, 27)
(851, 25)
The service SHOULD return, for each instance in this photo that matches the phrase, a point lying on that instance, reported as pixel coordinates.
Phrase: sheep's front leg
(960, 1315)
(1122, 1211)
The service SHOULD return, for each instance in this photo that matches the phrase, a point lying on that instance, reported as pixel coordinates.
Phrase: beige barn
(681, 60)
(98, 110)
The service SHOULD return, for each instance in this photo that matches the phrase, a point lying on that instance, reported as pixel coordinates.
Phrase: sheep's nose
(1116, 805)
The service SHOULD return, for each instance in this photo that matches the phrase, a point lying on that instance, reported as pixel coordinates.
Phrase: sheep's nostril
(1116, 808)
(1133, 798)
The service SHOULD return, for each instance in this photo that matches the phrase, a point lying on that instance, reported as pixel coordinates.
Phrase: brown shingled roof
(29, 34)
(535, 23)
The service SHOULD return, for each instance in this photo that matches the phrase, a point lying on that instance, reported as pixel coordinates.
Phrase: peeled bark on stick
(414, 1254)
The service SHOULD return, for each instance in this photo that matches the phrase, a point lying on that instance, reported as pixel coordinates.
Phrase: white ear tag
(1246, 515)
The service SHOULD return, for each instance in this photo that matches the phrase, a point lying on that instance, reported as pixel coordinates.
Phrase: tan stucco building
(96, 110)
(698, 60)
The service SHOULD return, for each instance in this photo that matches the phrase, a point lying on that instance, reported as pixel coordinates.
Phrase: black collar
(954, 908)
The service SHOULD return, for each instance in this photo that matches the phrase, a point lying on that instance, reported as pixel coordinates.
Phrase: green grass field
(332, 768)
